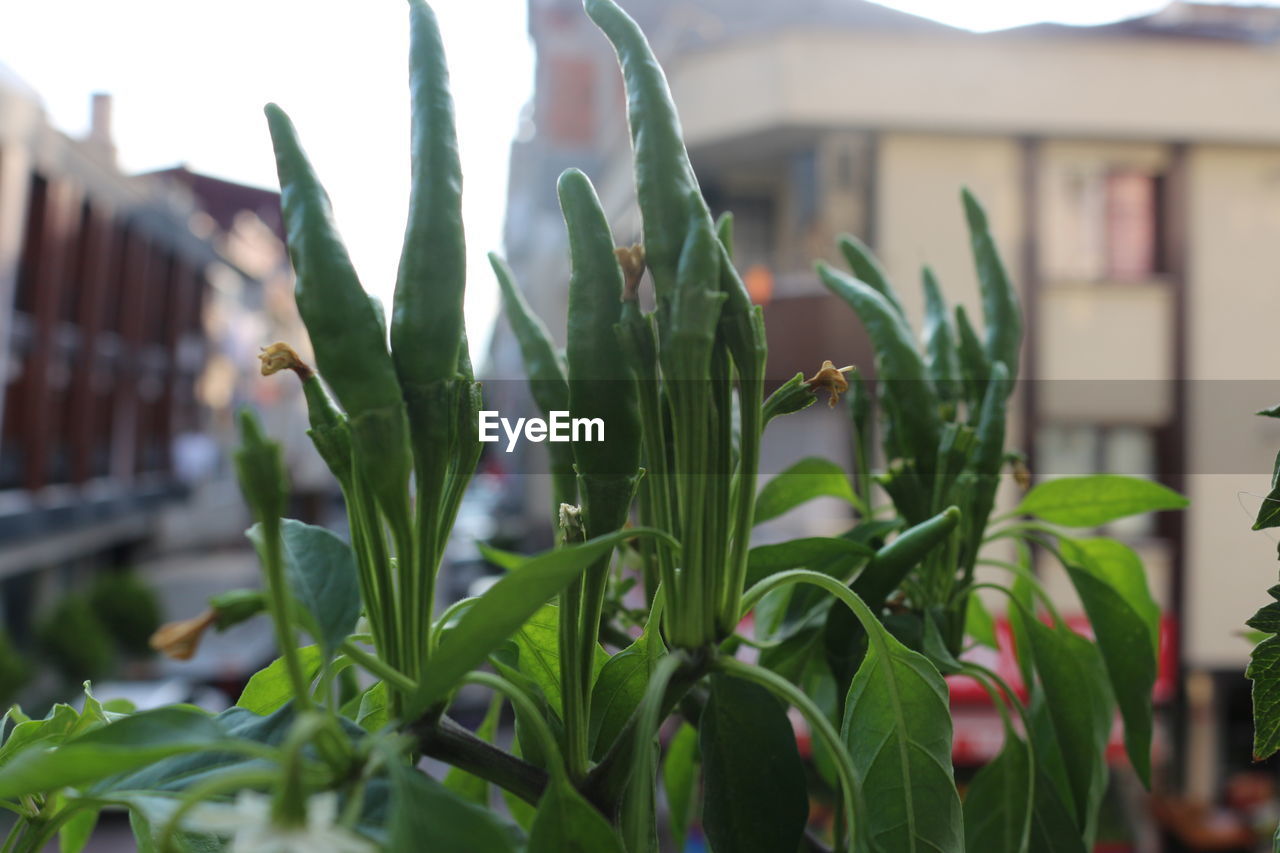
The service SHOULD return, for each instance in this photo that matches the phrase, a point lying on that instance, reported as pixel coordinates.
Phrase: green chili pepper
(600, 382)
(988, 458)
(426, 323)
(975, 369)
(868, 270)
(1000, 311)
(891, 564)
(897, 362)
(351, 349)
(548, 380)
(939, 342)
(665, 182)
(235, 606)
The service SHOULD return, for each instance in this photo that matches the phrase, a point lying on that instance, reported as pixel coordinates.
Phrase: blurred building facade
(131, 312)
(1131, 173)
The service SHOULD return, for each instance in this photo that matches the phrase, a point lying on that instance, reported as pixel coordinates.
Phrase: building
(1132, 175)
(112, 290)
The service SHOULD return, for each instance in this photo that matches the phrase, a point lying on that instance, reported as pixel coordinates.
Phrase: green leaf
(124, 745)
(507, 560)
(897, 726)
(372, 715)
(1273, 412)
(1078, 706)
(979, 623)
(502, 609)
(1097, 499)
(323, 580)
(59, 724)
(538, 641)
(754, 792)
(807, 479)
(1000, 312)
(999, 804)
(619, 687)
(680, 779)
(1269, 512)
(765, 560)
(469, 787)
(270, 688)
(74, 834)
(1126, 624)
(566, 823)
(1053, 827)
(428, 816)
(1264, 671)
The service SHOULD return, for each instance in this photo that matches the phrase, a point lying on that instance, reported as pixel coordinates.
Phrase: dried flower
(631, 259)
(830, 379)
(179, 640)
(280, 356)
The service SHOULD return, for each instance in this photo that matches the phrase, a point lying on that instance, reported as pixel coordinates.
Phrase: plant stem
(537, 725)
(273, 562)
(448, 741)
(377, 666)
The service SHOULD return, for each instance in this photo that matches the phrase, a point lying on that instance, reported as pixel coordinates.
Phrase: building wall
(1234, 300)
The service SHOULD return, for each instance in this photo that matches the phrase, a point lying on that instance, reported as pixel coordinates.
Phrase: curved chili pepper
(348, 339)
(868, 270)
(666, 186)
(426, 320)
(939, 342)
(1000, 311)
(914, 412)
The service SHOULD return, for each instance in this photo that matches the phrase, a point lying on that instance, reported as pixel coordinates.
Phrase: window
(1105, 225)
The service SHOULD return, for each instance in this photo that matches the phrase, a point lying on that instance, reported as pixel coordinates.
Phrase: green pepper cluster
(405, 412)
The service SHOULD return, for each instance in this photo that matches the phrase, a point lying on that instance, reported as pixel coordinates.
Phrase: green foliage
(128, 608)
(855, 631)
(14, 672)
(754, 788)
(73, 639)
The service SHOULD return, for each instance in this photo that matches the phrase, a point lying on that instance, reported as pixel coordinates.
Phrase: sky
(189, 81)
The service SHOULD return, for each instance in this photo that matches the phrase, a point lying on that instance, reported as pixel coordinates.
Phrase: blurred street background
(1128, 155)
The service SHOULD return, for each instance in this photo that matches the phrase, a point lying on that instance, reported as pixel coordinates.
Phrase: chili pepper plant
(630, 727)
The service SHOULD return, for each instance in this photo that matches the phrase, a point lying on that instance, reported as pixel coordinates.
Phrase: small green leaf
(619, 687)
(124, 745)
(999, 803)
(322, 577)
(566, 823)
(1264, 671)
(1273, 412)
(807, 479)
(897, 726)
(428, 816)
(680, 778)
(765, 560)
(1269, 512)
(1126, 624)
(268, 689)
(372, 715)
(502, 609)
(979, 623)
(75, 833)
(507, 560)
(754, 792)
(1097, 499)
(1079, 707)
